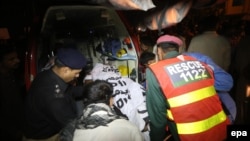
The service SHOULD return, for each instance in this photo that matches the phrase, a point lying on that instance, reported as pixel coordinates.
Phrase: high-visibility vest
(188, 86)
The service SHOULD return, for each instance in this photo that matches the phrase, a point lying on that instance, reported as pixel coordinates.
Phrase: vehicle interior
(97, 31)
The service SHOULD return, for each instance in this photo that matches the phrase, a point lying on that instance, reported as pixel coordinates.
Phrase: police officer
(50, 102)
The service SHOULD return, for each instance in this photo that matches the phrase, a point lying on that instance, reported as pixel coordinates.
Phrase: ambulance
(102, 34)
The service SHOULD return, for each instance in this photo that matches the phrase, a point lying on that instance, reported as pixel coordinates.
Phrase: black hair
(98, 91)
(167, 46)
(6, 49)
(145, 57)
(146, 40)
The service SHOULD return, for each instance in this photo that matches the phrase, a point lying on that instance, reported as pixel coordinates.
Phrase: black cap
(71, 57)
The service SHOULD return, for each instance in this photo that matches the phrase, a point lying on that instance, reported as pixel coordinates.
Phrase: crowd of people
(188, 94)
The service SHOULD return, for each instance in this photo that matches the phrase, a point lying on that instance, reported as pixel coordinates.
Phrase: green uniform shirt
(157, 106)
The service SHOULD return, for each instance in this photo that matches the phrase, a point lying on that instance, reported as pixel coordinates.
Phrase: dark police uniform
(50, 106)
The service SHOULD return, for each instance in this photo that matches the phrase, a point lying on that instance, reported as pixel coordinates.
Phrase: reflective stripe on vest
(170, 115)
(201, 126)
(191, 97)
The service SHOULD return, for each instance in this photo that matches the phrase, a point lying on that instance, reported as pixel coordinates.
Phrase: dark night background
(17, 15)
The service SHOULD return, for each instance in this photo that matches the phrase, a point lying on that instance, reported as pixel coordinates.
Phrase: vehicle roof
(79, 19)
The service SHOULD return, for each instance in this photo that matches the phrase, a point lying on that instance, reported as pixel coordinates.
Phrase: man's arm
(223, 80)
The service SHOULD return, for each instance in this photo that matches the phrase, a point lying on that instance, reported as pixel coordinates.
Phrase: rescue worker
(181, 97)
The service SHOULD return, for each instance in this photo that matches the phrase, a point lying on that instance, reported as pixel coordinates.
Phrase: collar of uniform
(171, 54)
